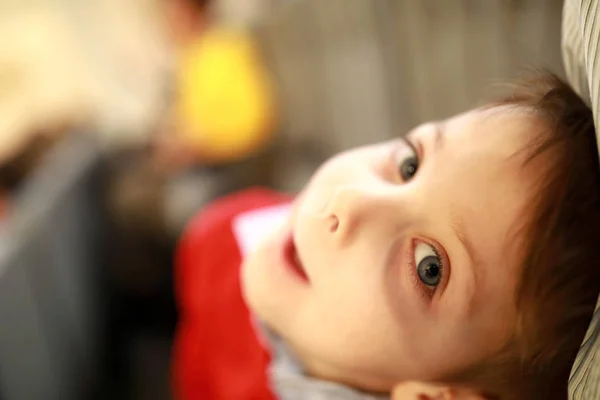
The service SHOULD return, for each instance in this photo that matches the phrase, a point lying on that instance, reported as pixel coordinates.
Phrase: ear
(429, 391)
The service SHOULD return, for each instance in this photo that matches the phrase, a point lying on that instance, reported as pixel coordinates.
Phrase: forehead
(481, 171)
(500, 132)
(489, 148)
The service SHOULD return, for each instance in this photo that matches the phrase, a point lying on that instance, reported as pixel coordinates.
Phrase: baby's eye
(428, 264)
(408, 168)
(407, 161)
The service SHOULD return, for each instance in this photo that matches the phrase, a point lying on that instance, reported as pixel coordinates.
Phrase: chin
(271, 288)
(252, 286)
(260, 289)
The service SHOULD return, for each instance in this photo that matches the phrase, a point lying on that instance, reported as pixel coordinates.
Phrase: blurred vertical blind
(357, 71)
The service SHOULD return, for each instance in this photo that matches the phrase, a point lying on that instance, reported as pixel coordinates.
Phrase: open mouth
(292, 260)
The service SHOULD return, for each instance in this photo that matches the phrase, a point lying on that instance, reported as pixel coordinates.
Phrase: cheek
(351, 316)
(255, 283)
(350, 299)
(407, 348)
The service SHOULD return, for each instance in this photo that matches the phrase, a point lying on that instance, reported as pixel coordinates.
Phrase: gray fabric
(291, 383)
(580, 35)
(50, 304)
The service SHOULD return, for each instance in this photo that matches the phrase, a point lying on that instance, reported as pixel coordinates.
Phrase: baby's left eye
(408, 168)
(407, 161)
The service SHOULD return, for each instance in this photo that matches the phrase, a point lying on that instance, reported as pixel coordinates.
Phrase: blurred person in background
(182, 108)
(43, 95)
(223, 108)
(217, 127)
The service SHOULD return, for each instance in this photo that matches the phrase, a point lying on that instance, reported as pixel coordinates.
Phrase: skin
(360, 228)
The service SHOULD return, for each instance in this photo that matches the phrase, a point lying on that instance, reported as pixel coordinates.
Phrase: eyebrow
(440, 131)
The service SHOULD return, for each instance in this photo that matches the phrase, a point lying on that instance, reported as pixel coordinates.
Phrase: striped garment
(580, 35)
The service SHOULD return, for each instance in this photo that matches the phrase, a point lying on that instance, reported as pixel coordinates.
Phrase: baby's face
(407, 253)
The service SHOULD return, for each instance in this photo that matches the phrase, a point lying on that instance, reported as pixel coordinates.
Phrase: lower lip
(291, 259)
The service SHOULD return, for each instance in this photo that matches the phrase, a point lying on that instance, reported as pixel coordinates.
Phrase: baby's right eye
(428, 265)
(407, 161)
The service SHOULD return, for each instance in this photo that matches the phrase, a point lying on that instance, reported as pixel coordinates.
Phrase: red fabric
(217, 354)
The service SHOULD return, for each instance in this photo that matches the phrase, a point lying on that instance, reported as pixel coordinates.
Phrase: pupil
(433, 270)
(409, 168)
(430, 271)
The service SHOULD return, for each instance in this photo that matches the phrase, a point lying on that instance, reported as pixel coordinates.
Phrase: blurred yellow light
(226, 106)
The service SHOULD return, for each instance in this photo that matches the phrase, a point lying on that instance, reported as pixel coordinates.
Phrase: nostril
(334, 223)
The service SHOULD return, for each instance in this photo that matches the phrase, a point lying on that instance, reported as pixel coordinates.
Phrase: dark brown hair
(560, 275)
(201, 4)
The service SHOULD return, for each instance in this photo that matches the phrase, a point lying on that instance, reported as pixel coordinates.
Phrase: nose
(354, 208)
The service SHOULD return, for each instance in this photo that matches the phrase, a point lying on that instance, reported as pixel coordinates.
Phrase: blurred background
(120, 119)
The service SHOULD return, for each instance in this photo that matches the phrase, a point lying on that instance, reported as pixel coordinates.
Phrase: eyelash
(395, 158)
(414, 148)
(426, 293)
